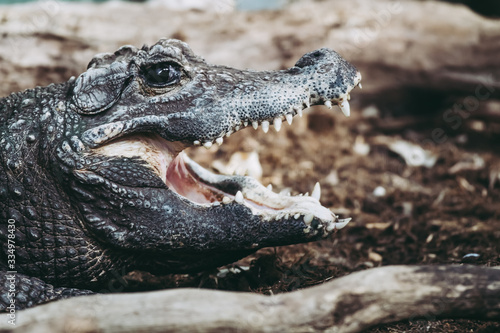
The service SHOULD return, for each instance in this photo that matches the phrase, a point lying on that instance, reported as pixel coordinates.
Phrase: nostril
(317, 53)
(310, 59)
(319, 56)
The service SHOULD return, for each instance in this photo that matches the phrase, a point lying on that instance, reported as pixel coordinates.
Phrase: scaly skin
(93, 181)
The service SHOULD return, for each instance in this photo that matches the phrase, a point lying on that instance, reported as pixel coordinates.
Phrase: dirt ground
(445, 212)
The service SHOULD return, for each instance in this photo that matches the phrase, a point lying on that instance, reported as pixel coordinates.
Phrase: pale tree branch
(348, 304)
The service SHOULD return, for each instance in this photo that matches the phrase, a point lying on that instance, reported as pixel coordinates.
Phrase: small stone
(379, 191)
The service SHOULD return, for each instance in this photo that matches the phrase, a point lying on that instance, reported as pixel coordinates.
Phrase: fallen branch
(348, 304)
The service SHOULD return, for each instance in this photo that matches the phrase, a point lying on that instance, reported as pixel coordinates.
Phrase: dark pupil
(162, 75)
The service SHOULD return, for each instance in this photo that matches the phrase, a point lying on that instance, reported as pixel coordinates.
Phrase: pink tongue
(180, 180)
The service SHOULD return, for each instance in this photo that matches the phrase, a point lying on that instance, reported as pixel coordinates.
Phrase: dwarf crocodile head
(138, 109)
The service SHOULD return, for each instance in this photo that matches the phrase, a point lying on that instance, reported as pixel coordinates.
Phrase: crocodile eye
(162, 74)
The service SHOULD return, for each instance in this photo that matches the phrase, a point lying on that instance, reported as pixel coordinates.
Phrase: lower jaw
(203, 187)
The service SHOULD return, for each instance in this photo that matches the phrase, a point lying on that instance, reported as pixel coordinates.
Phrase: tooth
(330, 227)
(196, 143)
(289, 118)
(342, 223)
(207, 144)
(316, 193)
(228, 134)
(296, 216)
(344, 107)
(265, 126)
(298, 109)
(226, 200)
(255, 125)
(348, 97)
(306, 194)
(358, 77)
(219, 141)
(338, 225)
(360, 86)
(238, 197)
(237, 128)
(287, 216)
(308, 218)
(328, 104)
(285, 192)
(245, 123)
(270, 187)
(277, 124)
(307, 103)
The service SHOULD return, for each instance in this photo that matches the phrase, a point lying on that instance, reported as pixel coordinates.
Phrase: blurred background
(485, 7)
(417, 165)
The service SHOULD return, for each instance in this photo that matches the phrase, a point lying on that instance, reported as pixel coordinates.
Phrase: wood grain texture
(348, 304)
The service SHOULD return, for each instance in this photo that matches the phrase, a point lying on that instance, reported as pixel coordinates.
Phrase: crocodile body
(93, 179)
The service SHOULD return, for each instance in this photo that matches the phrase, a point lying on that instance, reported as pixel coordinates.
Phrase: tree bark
(348, 304)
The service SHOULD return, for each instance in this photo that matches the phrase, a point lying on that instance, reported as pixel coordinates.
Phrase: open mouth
(199, 186)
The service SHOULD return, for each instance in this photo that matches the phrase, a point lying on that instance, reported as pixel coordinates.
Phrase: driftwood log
(348, 304)
(427, 45)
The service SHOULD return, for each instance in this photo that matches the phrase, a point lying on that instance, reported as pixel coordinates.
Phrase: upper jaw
(295, 89)
(279, 117)
(172, 127)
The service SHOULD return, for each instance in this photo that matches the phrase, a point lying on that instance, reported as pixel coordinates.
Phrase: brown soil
(428, 215)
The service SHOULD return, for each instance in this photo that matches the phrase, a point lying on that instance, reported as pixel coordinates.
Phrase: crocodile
(94, 178)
